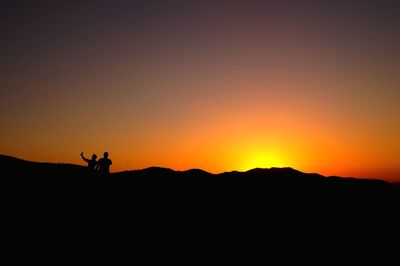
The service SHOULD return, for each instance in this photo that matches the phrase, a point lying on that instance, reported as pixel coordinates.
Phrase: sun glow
(263, 159)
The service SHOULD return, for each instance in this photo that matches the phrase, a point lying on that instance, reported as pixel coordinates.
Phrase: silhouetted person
(103, 165)
(92, 162)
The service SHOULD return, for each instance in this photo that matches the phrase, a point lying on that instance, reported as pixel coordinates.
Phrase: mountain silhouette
(274, 195)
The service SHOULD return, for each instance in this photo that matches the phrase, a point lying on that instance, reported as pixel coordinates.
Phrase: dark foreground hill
(258, 193)
(70, 202)
(62, 205)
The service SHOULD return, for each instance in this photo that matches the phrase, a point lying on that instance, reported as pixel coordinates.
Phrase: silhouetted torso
(104, 165)
(91, 162)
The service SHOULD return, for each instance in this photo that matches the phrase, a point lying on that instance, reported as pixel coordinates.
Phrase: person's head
(94, 156)
(106, 155)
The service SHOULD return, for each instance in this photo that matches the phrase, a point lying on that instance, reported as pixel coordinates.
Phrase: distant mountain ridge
(13, 166)
(274, 196)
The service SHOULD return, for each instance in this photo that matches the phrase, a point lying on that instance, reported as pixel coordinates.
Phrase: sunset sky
(216, 85)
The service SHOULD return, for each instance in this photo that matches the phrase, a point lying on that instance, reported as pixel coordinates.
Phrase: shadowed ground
(258, 193)
(64, 204)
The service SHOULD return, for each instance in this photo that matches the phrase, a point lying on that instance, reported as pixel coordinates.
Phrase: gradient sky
(217, 85)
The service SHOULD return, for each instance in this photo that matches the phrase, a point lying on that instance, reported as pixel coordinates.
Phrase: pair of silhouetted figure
(102, 165)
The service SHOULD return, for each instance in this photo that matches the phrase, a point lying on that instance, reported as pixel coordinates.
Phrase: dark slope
(62, 207)
(276, 194)
(14, 167)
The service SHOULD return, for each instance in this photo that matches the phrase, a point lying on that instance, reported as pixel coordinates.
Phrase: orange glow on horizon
(219, 141)
(219, 87)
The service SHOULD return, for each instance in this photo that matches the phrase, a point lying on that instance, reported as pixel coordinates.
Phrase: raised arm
(86, 160)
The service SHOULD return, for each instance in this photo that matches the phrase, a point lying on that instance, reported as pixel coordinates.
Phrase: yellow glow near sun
(263, 159)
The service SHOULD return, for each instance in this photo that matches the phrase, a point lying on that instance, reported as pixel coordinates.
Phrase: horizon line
(390, 180)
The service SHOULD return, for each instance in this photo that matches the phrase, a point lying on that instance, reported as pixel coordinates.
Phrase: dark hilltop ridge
(273, 195)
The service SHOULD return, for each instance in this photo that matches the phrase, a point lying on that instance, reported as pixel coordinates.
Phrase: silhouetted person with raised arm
(103, 165)
(92, 162)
